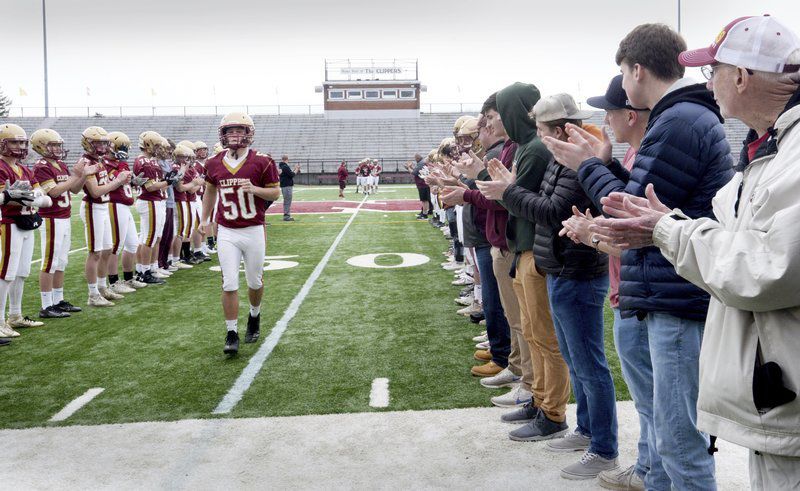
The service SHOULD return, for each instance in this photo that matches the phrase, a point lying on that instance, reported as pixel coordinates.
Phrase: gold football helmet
(234, 120)
(149, 142)
(94, 141)
(182, 154)
(119, 145)
(200, 150)
(48, 143)
(13, 133)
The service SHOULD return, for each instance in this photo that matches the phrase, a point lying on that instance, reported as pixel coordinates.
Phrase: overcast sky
(204, 52)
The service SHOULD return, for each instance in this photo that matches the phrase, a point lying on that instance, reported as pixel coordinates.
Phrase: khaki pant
(768, 472)
(551, 387)
(519, 360)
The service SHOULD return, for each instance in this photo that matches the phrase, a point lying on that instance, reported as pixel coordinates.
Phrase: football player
(199, 248)
(364, 171)
(376, 171)
(94, 211)
(246, 183)
(19, 196)
(55, 234)
(151, 207)
(124, 238)
(183, 163)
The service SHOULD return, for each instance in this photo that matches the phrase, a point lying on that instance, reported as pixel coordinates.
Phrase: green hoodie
(514, 103)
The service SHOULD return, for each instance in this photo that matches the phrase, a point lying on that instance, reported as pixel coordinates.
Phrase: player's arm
(209, 199)
(96, 190)
(40, 199)
(270, 193)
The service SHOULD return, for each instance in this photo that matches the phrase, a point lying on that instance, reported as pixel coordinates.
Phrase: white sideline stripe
(379, 395)
(250, 372)
(76, 404)
(73, 250)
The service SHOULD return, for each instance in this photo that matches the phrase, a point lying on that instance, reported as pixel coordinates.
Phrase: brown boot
(483, 355)
(486, 370)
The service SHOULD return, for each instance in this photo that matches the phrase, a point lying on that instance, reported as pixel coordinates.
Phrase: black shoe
(466, 291)
(52, 312)
(231, 343)
(253, 328)
(148, 278)
(476, 318)
(65, 306)
(422, 217)
(193, 260)
(200, 257)
(288, 219)
(4, 342)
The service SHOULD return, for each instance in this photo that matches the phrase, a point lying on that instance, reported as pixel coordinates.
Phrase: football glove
(138, 179)
(171, 177)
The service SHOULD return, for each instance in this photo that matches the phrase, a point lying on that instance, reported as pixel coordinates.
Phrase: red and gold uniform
(56, 231)
(184, 221)
(16, 244)
(94, 211)
(240, 215)
(123, 226)
(150, 205)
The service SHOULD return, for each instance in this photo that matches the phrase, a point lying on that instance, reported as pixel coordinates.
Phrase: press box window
(372, 94)
(390, 94)
(335, 94)
(407, 94)
(354, 94)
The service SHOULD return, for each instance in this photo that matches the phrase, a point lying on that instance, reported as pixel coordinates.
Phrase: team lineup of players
(224, 196)
(368, 175)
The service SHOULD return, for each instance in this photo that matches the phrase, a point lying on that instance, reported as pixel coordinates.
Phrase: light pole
(679, 16)
(44, 37)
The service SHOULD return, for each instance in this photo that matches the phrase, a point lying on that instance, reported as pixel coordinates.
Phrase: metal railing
(276, 109)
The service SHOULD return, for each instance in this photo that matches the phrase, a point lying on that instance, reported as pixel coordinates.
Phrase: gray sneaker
(541, 428)
(506, 378)
(588, 467)
(572, 442)
(524, 414)
(621, 480)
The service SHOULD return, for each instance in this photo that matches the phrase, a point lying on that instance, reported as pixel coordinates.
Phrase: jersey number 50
(246, 208)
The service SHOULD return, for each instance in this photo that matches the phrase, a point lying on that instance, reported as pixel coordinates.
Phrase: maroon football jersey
(200, 169)
(100, 177)
(188, 177)
(235, 208)
(123, 194)
(152, 171)
(50, 174)
(364, 170)
(180, 195)
(12, 174)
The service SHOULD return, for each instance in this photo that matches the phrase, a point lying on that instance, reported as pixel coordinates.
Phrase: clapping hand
(634, 219)
(453, 195)
(470, 166)
(501, 180)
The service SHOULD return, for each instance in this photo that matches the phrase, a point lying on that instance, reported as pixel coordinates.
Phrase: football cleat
(231, 343)
(7, 332)
(253, 328)
(99, 301)
(109, 294)
(150, 279)
(182, 265)
(65, 306)
(52, 312)
(135, 283)
(4, 342)
(166, 272)
(158, 274)
(120, 287)
(16, 321)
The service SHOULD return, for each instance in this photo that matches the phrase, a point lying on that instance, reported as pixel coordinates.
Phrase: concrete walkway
(454, 449)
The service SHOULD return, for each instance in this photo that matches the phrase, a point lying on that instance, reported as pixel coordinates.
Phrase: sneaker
(120, 287)
(467, 290)
(463, 280)
(541, 428)
(622, 480)
(182, 265)
(7, 332)
(16, 321)
(165, 272)
(159, 274)
(517, 396)
(465, 300)
(488, 369)
(288, 219)
(506, 378)
(108, 294)
(65, 306)
(231, 343)
(150, 279)
(253, 328)
(52, 312)
(572, 442)
(172, 268)
(589, 467)
(99, 301)
(483, 345)
(525, 414)
(420, 216)
(5, 342)
(482, 322)
(482, 355)
(480, 339)
(199, 256)
(477, 318)
(135, 284)
(452, 266)
(472, 308)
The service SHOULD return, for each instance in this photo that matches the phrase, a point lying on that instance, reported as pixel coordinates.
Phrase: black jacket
(555, 255)
(287, 176)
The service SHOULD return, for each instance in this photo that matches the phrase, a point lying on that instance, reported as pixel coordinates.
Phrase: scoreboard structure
(359, 89)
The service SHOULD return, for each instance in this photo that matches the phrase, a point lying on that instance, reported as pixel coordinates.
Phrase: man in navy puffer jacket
(686, 156)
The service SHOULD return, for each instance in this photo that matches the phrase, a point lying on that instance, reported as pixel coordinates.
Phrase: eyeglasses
(708, 71)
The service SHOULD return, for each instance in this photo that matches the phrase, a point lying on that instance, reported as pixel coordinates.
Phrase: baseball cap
(559, 106)
(615, 97)
(758, 42)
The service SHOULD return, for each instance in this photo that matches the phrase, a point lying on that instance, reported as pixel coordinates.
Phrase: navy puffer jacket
(687, 158)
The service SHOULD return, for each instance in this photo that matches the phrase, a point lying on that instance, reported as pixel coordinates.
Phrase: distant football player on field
(375, 175)
(19, 197)
(342, 175)
(199, 247)
(55, 179)
(245, 182)
(151, 207)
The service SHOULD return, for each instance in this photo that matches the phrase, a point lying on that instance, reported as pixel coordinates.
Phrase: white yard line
(250, 372)
(379, 395)
(76, 404)
(73, 250)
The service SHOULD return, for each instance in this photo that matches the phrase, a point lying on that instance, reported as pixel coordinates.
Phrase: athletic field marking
(255, 364)
(76, 404)
(379, 395)
(73, 250)
(410, 259)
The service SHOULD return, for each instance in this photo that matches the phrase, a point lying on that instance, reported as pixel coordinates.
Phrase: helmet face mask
(236, 131)
(201, 153)
(55, 150)
(13, 141)
(95, 142)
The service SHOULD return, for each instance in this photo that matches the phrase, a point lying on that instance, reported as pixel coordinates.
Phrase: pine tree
(5, 104)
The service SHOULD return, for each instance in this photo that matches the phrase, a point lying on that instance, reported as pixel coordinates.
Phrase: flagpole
(44, 38)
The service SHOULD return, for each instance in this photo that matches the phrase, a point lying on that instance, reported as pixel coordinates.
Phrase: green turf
(158, 353)
(331, 193)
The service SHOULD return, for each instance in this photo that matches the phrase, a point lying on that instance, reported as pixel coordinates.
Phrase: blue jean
(497, 328)
(675, 354)
(577, 307)
(633, 348)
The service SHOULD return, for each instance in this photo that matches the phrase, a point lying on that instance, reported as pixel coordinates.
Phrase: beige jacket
(750, 264)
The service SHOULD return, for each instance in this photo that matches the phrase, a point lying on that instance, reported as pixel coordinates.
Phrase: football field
(157, 354)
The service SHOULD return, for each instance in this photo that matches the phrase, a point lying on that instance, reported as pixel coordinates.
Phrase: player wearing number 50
(19, 197)
(245, 181)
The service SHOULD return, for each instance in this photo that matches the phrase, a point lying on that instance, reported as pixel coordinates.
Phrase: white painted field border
(255, 364)
(379, 395)
(76, 404)
(73, 250)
